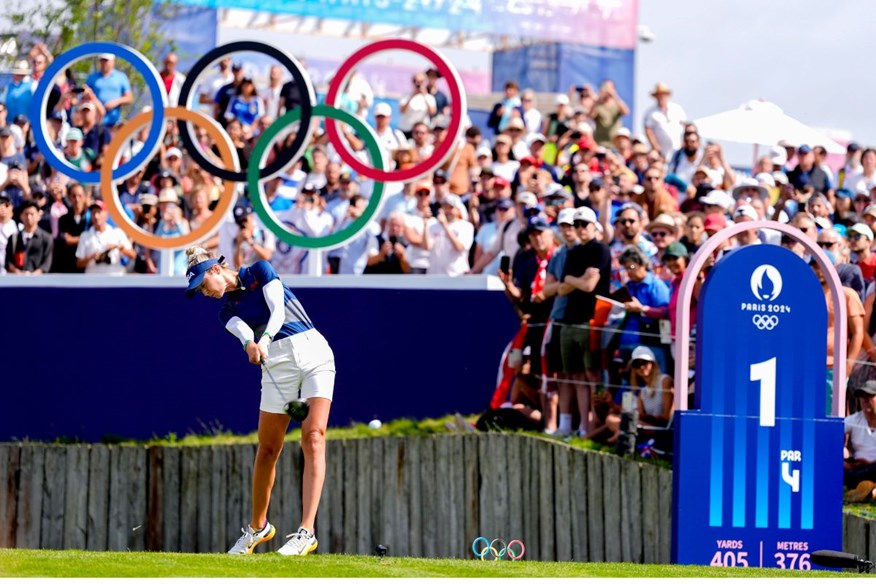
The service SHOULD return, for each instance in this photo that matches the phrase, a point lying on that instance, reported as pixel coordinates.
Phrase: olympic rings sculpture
(489, 550)
(763, 322)
(303, 115)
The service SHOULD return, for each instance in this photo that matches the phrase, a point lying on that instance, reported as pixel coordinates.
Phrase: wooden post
(578, 502)
(30, 496)
(631, 511)
(9, 470)
(97, 534)
(611, 487)
(563, 492)
(651, 515)
(547, 548)
(170, 504)
(155, 499)
(471, 496)
(54, 485)
(188, 507)
(135, 472)
(413, 486)
(595, 507)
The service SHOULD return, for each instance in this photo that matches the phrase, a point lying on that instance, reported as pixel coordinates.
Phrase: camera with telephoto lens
(104, 258)
(393, 239)
(629, 425)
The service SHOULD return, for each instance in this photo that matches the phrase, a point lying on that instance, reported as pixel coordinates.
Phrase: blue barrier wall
(145, 361)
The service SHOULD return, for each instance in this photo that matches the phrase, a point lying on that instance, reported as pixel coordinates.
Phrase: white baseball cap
(382, 109)
(566, 216)
(584, 214)
(717, 197)
(562, 99)
(861, 228)
(527, 199)
(643, 353)
(746, 211)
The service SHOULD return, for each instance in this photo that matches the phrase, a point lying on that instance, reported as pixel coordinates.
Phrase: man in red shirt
(860, 241)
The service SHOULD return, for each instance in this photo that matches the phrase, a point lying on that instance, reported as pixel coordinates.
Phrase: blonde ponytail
(196, 255)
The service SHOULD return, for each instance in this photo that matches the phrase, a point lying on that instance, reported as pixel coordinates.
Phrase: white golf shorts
(303, 362)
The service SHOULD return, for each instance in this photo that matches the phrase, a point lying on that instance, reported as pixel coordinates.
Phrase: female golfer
(276, 333)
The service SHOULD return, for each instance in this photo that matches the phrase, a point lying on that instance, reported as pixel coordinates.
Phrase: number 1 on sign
(765, 372)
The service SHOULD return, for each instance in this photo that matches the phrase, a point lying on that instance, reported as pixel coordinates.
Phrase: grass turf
(81, 564)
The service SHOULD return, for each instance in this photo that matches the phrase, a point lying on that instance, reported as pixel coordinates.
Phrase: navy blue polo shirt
(249, 304)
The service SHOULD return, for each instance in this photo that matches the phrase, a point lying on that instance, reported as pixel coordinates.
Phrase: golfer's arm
(239, 329)
(276, 302)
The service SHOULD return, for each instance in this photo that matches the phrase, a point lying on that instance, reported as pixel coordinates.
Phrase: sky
(808, 56)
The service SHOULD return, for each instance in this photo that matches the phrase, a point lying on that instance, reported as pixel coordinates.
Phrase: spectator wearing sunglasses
(861, 241)
(647, 291)
(655, 198)
(585, 275)
(628, 232)
(850, 274)
(663, 231)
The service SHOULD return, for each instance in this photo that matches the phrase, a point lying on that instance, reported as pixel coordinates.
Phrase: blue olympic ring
(153, 83)
(497, 554)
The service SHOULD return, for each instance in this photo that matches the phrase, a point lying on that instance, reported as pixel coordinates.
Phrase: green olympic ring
(266, 214)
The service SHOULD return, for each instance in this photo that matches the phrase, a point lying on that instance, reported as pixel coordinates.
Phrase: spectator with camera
(102, 247)
(449, 238)
(506, 241)
(30, 250)
(95, 136)
(419, 106)
(9, 153)
(16, 185)
(353, 256)
(505, 110)
(253, 243)
(392, 249)
(654, 402)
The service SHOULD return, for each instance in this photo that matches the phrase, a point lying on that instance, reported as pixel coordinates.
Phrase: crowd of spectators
(561, 201)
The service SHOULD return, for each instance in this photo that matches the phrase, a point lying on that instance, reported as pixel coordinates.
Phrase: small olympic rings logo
(258, 171)
(497, 549)
(765, 322)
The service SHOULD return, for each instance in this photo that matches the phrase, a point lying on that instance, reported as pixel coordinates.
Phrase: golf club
(296, 409)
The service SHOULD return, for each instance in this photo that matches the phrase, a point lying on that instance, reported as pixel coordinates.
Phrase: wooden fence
(420, 496)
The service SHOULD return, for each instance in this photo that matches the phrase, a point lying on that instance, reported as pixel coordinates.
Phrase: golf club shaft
(273, 380)
(271, 375)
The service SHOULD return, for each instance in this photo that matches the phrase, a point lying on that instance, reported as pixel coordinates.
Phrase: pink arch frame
(682, 325)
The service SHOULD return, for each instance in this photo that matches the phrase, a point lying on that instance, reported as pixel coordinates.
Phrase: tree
(64, 24)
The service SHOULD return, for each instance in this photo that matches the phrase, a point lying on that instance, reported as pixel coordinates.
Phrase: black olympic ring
(765, 322)
(308, 98)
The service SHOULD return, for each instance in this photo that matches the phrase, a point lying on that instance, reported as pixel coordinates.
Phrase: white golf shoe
(300, 543)
(250, 539)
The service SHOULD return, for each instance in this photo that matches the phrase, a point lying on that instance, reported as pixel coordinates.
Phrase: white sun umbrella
(762, 123)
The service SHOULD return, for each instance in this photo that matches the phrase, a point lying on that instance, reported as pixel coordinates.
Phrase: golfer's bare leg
(272, 430)
(313, 445)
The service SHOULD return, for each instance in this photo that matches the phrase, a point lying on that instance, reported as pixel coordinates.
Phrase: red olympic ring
(457, 104)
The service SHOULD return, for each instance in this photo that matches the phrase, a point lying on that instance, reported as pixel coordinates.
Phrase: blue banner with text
(758, 467)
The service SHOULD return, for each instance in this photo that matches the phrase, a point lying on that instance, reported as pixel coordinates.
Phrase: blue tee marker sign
(758, 465)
